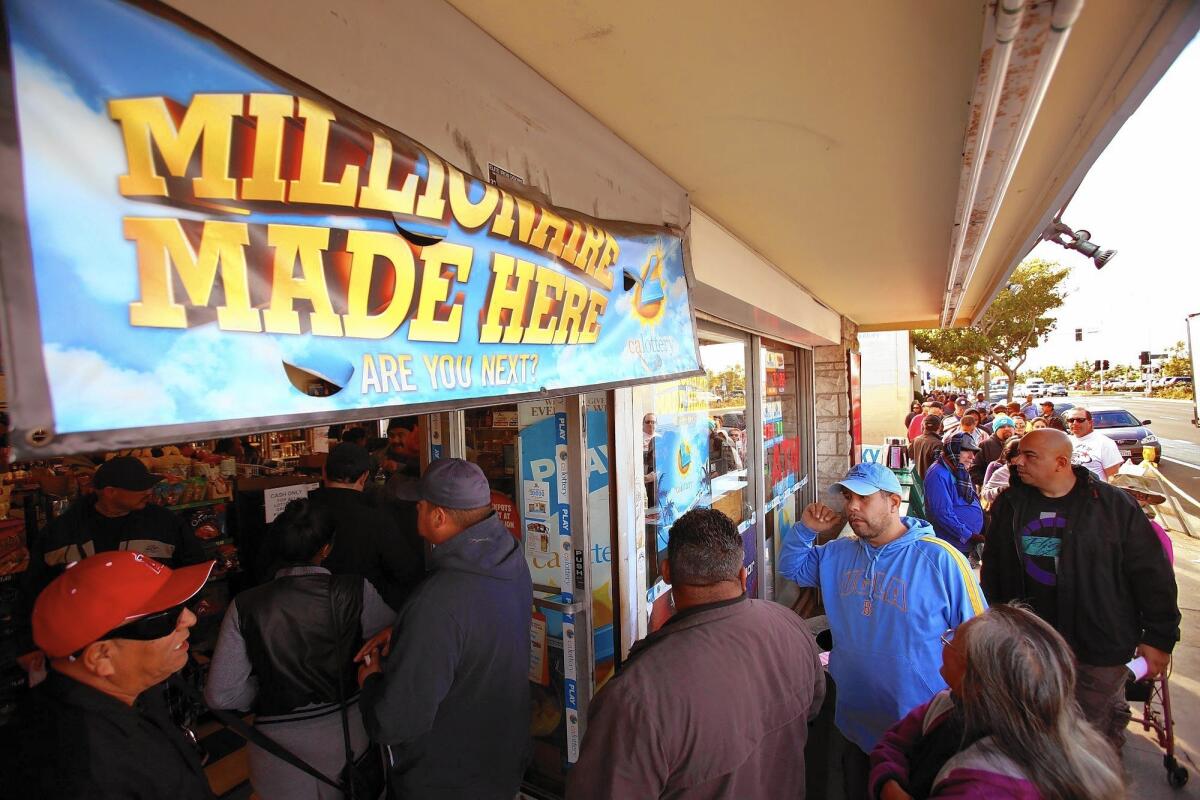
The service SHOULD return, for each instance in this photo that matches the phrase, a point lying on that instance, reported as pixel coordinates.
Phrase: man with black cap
(951, 423)
(112, 626)
(451, 701)
(951, 500)
(117, 517)
(367, 540)
(926, 448)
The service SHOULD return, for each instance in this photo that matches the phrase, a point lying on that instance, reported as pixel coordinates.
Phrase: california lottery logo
(684, 458)
(649, 293)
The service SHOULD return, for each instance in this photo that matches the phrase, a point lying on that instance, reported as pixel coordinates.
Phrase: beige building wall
(888, 372)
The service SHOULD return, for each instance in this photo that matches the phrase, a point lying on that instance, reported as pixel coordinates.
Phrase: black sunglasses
(148, 628)
(144, 629)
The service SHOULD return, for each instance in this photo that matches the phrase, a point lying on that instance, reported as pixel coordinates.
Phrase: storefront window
(784, 476)
(695, 455)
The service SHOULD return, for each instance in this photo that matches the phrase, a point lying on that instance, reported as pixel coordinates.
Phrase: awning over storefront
(897, 160)
(202, 244)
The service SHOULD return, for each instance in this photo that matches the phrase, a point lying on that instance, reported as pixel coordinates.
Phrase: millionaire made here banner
(208, 241)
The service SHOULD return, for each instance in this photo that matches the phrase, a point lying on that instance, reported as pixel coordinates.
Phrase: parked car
(1060, 409)
(1055, 390)
(1176, 380)
(1130, 433)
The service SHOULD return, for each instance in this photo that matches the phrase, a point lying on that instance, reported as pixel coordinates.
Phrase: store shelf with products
(491, 435)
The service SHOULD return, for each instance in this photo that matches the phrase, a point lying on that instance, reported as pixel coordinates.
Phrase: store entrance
(547, 464)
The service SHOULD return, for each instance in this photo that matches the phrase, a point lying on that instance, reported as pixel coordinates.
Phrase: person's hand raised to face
(822, 519)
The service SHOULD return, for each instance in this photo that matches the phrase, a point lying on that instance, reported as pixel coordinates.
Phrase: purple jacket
(977, 773)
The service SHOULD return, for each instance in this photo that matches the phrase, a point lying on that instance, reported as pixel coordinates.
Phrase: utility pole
(1192, 355)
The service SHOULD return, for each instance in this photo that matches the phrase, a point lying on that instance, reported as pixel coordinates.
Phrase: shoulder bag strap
(341, 695)
(251, 734)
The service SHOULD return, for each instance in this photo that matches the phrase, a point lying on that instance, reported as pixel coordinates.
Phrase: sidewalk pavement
(1143, 756)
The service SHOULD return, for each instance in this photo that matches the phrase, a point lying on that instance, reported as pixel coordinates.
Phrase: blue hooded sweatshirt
(888, 607)
(954, 519)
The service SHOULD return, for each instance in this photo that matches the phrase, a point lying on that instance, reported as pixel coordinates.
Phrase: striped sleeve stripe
(964, 568)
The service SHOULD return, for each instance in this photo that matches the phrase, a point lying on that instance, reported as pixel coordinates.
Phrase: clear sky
(1140, 198)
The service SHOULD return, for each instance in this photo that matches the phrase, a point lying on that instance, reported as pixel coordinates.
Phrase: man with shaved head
(1084, 557)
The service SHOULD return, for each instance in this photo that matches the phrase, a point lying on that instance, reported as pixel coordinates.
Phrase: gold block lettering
(570, 319)
(547, 292)
(471, 215)
(365, 247)
(436, 287)
(307, 244)
(547, 222)
(597, 303)
(270, 111)
(608, 257)
(431, 204)
(377, 194)
(162, 244)
(502, 225)
(514, 299)
(311, 186)
(147, 124)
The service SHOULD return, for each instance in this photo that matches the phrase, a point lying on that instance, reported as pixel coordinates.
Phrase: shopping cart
(1155, 696)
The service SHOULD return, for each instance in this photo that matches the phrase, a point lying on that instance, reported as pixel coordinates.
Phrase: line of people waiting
(716, 703)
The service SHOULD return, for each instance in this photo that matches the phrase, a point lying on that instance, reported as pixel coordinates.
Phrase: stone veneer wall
(831, 389)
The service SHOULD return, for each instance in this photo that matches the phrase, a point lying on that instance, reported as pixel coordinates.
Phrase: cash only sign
(199, 242)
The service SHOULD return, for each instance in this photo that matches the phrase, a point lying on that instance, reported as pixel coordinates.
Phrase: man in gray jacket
(716, 703)
(452, 700)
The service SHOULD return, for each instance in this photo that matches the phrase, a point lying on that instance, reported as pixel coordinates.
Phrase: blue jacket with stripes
(888, 607)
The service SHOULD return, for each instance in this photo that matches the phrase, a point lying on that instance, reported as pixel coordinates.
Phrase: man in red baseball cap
(112, 626)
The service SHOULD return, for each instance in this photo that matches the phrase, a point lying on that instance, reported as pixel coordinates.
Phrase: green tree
(1176, 362)
(1054, 375)
(1015, 323)
(1080, 372)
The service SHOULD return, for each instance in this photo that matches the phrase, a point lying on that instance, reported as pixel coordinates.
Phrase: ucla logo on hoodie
(880, 587)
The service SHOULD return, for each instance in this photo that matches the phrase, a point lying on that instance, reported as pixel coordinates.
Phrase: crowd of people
(357, 661)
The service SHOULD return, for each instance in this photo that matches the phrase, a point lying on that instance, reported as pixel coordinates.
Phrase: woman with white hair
(1008, 726)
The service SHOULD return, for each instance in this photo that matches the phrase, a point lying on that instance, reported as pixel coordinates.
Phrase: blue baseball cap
(449, 483)
(1003, 422)
(869, 478)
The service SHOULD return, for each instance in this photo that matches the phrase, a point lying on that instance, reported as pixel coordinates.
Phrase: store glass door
(696, 454)
(784, 467)
(547, 464)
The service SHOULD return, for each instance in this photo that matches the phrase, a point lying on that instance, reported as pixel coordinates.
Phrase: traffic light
(1079, 334)
(1144, 358)
(1104, 364)
(1096, 368)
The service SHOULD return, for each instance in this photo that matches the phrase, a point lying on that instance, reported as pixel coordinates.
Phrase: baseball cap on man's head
(347, 461)
(869, 478)
(449, 483)
(104, 592)
(124, 472)
(1003, 422)
(962, 401)
(964, 441)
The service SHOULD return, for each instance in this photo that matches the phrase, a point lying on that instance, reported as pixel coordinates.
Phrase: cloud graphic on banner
(195, 369)
(92, 388)
(53, 117)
